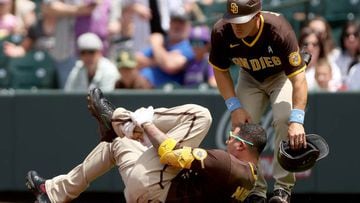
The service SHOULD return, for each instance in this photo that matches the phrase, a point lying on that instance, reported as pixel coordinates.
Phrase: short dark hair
(255, 134)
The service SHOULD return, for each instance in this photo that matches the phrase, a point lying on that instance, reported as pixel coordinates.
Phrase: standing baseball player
(172, 168)
(264, 46)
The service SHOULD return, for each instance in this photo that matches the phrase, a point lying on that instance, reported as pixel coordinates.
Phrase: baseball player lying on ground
(156, 151)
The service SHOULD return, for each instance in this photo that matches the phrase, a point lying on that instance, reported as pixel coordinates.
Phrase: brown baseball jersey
(221, 178)
(272, 50)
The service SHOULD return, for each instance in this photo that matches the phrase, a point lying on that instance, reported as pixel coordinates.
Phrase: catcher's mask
(303, 159)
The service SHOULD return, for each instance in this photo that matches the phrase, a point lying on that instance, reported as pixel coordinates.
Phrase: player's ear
(240, 146)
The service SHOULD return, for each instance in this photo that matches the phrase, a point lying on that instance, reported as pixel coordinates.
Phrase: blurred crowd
(332, 68)
(143, 44)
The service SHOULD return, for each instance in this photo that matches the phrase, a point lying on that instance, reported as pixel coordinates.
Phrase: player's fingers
(296, 142)
(292, 142)
(305, 143)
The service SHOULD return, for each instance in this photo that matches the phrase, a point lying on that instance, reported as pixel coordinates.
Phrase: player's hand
(239, 116)
(142, 116)
(128, 129)
(296, 135)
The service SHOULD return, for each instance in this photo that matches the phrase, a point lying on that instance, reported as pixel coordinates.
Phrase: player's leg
(281, 101)
(255, 101)
(64, 188)
(103, 157)
(188, 124)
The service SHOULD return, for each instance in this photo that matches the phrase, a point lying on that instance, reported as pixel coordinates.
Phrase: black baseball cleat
(280, 196)
(36, 185)
(102, 110)
(253, 198)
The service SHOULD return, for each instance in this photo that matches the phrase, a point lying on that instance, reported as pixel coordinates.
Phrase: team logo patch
(199, 154)
(234, 8)
(295, 59)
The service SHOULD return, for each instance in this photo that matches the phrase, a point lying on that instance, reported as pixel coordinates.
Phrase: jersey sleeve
(217, 164)
(218, 56)
(293, 63)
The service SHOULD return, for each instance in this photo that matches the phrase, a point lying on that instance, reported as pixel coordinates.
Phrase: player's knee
(204, 114)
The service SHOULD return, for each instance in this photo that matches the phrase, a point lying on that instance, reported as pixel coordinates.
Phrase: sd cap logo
(234, 8)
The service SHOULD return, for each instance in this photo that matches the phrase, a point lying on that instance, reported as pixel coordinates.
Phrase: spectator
(320, 25)
(323, 77)
(312, 43)
(64, 52)
(155, 16)
(40, 36)
(25, 11)
(92, 70)
(199, 71)
(164, 62)
(350, 43)
(9, 23)
(104, 15)
(353, 79)
(130, 77)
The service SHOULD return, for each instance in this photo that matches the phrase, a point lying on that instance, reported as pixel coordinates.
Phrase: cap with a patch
(126, 59)
(241, 11)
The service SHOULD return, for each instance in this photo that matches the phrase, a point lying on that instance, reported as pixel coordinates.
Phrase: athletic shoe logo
(234, 45)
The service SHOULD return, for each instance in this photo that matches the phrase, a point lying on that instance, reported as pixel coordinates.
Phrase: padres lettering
(257, 64)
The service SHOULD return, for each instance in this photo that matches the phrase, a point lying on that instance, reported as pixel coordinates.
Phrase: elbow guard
(180, 158)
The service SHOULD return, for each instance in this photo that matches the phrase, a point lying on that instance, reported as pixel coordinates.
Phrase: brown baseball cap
(241, 11)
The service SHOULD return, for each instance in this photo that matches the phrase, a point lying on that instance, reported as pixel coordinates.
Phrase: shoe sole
(100, 119)
(30, 184)
(94, 111)
(91, 107)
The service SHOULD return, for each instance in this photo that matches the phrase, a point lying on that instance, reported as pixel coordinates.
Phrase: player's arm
(299, 90)
(155, 135)
(299, 98)
(225, 83)
(226, 88)
(170, 152)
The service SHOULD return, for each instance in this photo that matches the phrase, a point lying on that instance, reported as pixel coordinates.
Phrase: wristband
(297, 116)
(232, 104)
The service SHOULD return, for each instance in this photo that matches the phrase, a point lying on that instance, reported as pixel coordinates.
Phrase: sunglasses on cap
(231, 135)
(85, 52)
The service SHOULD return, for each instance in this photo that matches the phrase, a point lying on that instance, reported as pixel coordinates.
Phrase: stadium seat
(34, 70)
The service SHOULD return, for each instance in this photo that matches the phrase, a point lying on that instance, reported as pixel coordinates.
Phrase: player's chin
(241, 35)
